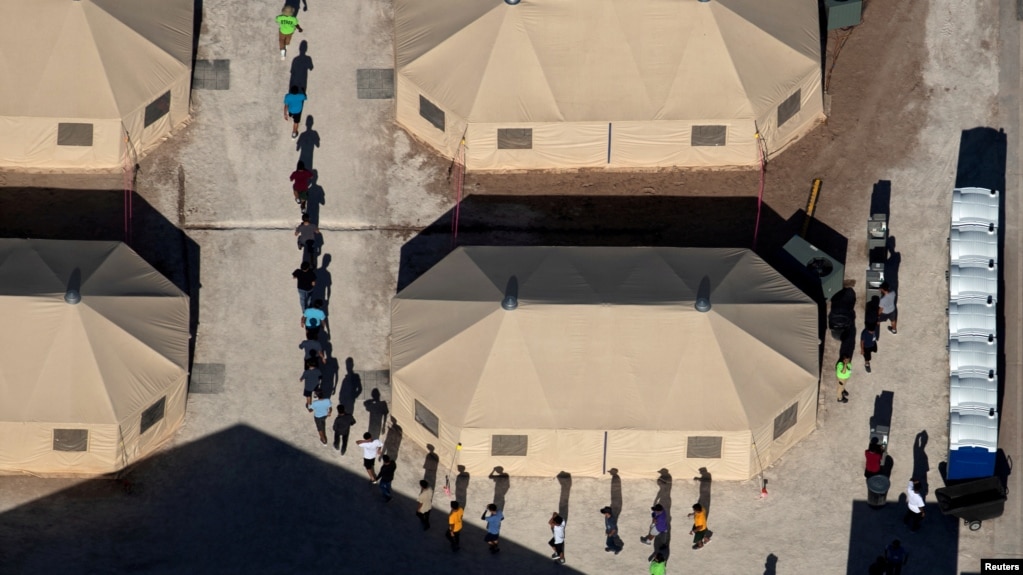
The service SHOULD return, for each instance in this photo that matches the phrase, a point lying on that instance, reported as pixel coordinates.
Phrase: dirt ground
(245, 485)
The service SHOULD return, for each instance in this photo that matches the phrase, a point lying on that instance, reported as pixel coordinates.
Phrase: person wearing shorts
(370, 451)
(294, 102)
(889, 312)
(321, 411)
(287, 23)
(658, 524)
(493, 516)
(557, 541)
(701, 535)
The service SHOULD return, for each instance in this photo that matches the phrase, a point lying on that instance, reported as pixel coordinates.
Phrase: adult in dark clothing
(868, 346)
(896, 556)
(342, 427)
(612, 543)
(306, 279)
(386, 476)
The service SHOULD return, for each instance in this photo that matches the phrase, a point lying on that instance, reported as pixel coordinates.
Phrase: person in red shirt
(874, 454)
(301, 178)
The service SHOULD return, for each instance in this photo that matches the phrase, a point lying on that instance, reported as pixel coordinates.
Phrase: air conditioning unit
(830, 271)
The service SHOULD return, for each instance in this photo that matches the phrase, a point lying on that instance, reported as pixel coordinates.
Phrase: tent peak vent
(511, 294)
(74, 284)
(703, 296)
(511, 2)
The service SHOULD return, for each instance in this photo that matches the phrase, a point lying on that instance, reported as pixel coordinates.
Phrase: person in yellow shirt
(701, 535)
(454, 533)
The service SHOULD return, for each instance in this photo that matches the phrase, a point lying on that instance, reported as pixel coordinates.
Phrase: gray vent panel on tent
(509, 445)
(70, 439)
(74, 134)
(159, 108)
(515, 138)
(431, 113)
(785, 420)
(152, 415)
(427, 419)
(708, 135)
(789, 108)
(703, 447)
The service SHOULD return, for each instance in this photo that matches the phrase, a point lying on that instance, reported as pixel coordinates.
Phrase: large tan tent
(87, 387)
(607, 83)
(91, 84)
(605, 362)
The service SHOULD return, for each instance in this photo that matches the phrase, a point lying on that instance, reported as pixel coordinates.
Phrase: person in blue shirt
(313, 319)
(321, 411)
(493, 517)
(294, 101)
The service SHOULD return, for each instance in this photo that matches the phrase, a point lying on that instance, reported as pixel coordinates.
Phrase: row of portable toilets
(973, 333)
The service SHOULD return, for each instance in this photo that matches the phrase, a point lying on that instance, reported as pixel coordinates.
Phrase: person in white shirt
(370, 451)
(915, 505)
(557, 542)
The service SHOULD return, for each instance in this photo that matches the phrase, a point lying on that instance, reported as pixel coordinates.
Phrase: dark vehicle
(973, 501)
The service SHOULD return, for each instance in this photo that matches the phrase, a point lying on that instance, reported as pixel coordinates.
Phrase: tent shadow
(934, 549)
(656, 221)
(100, 215)
(240, 501)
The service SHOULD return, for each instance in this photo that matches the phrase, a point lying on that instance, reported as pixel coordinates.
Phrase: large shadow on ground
(66, 214)
(619, 221)
(241, 501)
(933, 550)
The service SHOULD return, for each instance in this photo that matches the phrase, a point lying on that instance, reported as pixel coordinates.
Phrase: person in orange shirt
(701, 535)
(454, 533)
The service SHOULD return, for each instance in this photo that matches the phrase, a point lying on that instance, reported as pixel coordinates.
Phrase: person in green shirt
(287, 23)
(657, 565)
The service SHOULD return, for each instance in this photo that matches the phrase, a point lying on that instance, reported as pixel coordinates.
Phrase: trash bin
(877, 490)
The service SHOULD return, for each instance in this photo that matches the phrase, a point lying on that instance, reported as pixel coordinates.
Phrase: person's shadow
(430, 465)
(662, 542)
(502, 482)
(616, 492)
(351, 386)
(705, 480)
(301, 65)
(323, 281)
(307, 142)
(330, 369)
(377, 409)
(920, 463)
(393, 442)
(565, 479)
(891, 267)
(461, 485)
(771, 564)
(316, 198)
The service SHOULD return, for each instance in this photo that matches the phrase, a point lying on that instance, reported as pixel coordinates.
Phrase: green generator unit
(830, 271)
(843, 13)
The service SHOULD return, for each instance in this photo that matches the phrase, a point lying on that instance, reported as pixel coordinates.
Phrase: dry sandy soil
(245, 486)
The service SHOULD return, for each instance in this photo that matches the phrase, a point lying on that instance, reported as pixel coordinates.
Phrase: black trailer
(973, 501)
